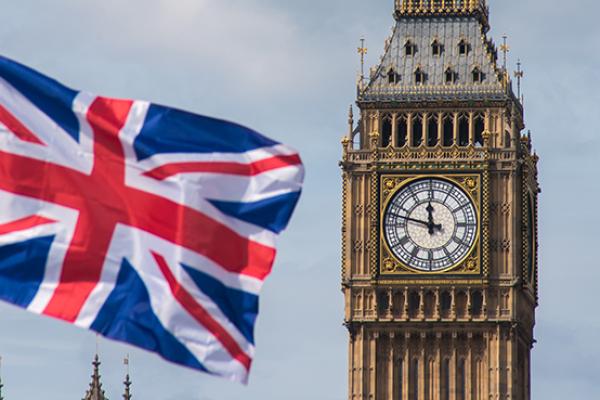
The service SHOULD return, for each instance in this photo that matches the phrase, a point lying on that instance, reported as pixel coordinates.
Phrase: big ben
(439, 227)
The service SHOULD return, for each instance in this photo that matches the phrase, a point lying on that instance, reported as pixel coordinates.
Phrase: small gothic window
(414, 302)
(463, 131)
(417, 133)
(446, 304)
(450, 76)
(419, 76)
(432, 132)
(383, 302)
(429, 304)
(507, 139)
(477, 75)
(463, 47)
(436, 48)
(401, 132)
(477, 303)
(479, 128)
(461, 304)
(448, 131)
(410, 48)
(386, 133)
(393, 77)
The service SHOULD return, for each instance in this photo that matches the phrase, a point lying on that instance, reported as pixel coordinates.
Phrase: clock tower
(439, 228)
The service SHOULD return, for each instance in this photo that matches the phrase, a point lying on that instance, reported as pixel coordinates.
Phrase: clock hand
(430, 224)
(418, 221)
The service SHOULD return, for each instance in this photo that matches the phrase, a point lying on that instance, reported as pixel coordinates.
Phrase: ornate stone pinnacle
(95, 392)
(127, 383)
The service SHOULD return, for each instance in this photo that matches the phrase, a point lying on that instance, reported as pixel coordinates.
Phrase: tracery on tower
(438, 107)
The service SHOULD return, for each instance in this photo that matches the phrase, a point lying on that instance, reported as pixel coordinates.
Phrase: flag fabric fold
(147, 224)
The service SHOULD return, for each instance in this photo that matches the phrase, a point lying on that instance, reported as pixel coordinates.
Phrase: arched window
(417, 131)
(476, 303)
(398, 304)
(432, 131)
(463, 131)
(507, 139)
(477, 75)
(386, 133)
(393, 77)
(429, 304)
(463, 47)
(461, 304)
(479, 127)
(450, 75)
(410, 48)
(414, 303)
(401, 132)
(436, 48)
(446, 304)
(383, 303)
(420, 76)
(448, 127)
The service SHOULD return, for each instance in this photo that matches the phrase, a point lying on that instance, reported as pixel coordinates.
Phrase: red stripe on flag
(24, 223)
(201, 315)
(232, 168)
(200, 233)
(16, 127)
(84, 259)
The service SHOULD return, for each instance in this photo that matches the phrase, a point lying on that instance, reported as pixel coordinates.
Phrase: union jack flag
(147, 224)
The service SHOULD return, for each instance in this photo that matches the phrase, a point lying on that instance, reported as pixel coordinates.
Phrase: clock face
(430, 225)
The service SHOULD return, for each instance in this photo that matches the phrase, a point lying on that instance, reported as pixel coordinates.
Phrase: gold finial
(504, 48)
(519, 74)
(362, 50)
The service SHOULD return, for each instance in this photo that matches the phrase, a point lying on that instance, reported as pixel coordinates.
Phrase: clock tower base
(443, 362)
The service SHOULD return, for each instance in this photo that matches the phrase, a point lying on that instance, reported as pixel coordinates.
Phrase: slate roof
(448, 31)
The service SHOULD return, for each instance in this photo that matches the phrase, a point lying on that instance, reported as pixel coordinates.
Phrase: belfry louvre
(439, 227)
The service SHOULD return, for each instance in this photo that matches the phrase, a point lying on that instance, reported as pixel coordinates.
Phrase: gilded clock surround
(471, 184)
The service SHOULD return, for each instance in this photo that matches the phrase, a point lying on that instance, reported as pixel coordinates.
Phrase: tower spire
(362, 50)
(95, 392)
(504, 48)
(519, 73)
(127, 382)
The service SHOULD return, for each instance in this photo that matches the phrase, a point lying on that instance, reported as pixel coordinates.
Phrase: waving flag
(146, 224)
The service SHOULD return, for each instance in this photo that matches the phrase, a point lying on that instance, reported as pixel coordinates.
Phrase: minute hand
(418, 221)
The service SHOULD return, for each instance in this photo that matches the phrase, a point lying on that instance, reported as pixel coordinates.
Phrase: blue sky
(288, 70)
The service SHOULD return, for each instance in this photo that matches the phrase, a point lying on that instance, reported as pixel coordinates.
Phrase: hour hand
(432, 226)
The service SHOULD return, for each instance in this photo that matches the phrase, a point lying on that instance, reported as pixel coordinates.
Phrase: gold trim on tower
(474, 264)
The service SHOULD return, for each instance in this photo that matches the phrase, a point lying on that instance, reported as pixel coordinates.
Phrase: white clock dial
(430, 224)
